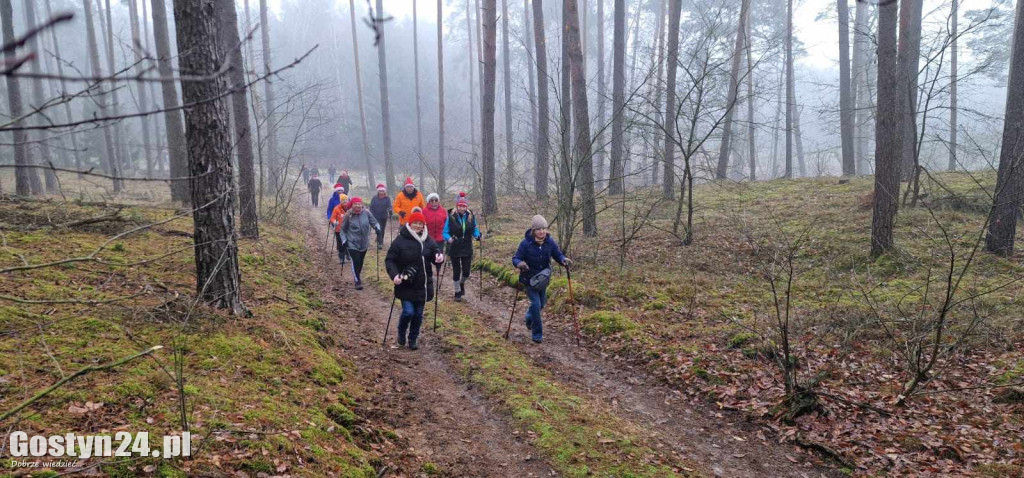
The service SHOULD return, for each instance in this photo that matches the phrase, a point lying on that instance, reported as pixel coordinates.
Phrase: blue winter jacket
(330, 205)
(537, 256)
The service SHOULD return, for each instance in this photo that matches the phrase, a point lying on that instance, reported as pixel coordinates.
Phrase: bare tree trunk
(859, 98)
(909, 54)
(507, 81)
(230, 45)
(416, 75)
(668, 183)
(581, 120)
(489, 20)
(542, 153)
(473, 66)
(790, 100)
(22, 174)
(43, 157)
(724, 152)
(440, 99)
(751, 125)
(122, 156)
(845, 93)
(158, 132)
(140, 86)
(385, 106)
(618, 95)
(952, 87)
(218, 281)
(798, 137)
(888, 135)
(269, 103)
(775, 126)
(110, 162)
(172, 117)
(602, 92)
(531, 79)
(567, 179)
(359, 95)
(1009, 194)
(658, 86)
(63, 89)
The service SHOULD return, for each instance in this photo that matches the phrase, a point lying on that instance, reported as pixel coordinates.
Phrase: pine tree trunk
(109, 160)
(602, 92)
(567, 178)
(775, 125)
(416, 74)
(724, 151)
(507, 82)
(158, 132)
(43, 156)
(859, 99)
(440, 100)
(359, 95)
(140, 87)
(581, 121)
(953, 51)
(218, 281)
(845, 93)
(269, 103)
(751, 124)
(790, 100)
(172, 116)
(543, 149)
(531, 79)
(888, 135)
(121, 154)
(618, 95)
(230, 44)
(489, 20)
(909, 54)
(385, 106)
(668, 182)
(22, 179)
(658, 87)
(59, 68)
(473, 69)
(1009, 193)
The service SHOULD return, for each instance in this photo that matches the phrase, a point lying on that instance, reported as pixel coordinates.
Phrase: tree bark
(385, 106)
(953, 51)
(440, 99)
(790, 100)
(751, 124)
(615, 185)
(581, 120)
(111, 166)
(473, 69)
(218, 281)
(908, 58)
(158, 151)
(531, 79)
(172, 116)
(602, 92)
(845, 93)
(359, 95)
(416, 76)
(860, 101)
(43, 158)
(542, 163)
(724, 151)
(888, 135)
(140, 87)
(230, 44)
(489, 21)
(507, 82)
(22, 179)
(658, 86)
(121, 155)
(269, 102)
(567, 179)
(64, 90)
(1009, 194)
(668, 182)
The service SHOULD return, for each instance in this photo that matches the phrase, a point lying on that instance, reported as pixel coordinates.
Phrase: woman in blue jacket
(533, 257)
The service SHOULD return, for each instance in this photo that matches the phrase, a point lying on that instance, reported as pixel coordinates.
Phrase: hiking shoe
(458, 298)
(359, 286)
(537, 341)
(401, 341)
(413, 346)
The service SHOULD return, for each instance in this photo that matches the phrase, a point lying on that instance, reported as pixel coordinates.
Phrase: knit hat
(343, 198)
(408, 182)
(339, 187)
(344, 174)
(416, 216)
(355, 199)
(432, 196)
(380, 187)
(538, 222)
(417, 209)
(461, 201)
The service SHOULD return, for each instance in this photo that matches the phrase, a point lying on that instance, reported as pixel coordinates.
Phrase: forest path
(725, 442)
(439, 419)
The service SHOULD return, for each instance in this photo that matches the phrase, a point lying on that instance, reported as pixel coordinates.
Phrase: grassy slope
(265, 394)
(700, 315)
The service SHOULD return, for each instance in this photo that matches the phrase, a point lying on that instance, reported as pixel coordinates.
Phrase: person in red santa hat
(406, 200)
(460, 229)
(380, 207)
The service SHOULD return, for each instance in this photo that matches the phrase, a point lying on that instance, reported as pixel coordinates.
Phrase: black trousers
(315, 197)
(342, 251)
(461, 268)
(383, 222)
(357, 263)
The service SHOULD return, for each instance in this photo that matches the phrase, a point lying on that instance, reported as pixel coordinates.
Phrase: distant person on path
(316, 172)
(314, 186)
(459, 231)
(345, 182)
(337, 215)
(407, 199)
(533, 258)
(332, 172)
(406, 264)
(305, 174)
(380, 206)
(355, 234)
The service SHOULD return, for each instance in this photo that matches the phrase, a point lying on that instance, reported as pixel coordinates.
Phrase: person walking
(355, 235)
(305, 174)
(406, 264)
(345, 182)
(459, 231)
(333, 202)
(314, 185)
(337, 215)
(406, 200)
(332, 172)
(380, 207)
(533, 258)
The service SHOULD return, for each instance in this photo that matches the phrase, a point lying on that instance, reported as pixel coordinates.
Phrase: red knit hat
(380, 187)
(354, 200)
(462, 199)
(416, 217)
(408, 182)
(338, 187)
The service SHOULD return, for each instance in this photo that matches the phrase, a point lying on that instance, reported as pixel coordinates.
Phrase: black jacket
(314, 186)
(462, 245)
(406, 252)
(380, 207)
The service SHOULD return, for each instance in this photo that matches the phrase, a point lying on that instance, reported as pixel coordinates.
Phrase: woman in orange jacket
(406, 200)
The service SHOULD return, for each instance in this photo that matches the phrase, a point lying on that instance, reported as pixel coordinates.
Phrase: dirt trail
(439, 419)
(724, 442)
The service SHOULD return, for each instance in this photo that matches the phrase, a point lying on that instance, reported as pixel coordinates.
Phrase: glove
(480, 237)
(401, 214)
(523, 267)
(398, 279)
(567, 262)
(438, 258)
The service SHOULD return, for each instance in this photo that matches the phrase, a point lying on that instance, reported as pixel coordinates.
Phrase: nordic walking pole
(572, 301)
(481, 291)
(378, 265)
(388, 327)
(513, 314)
(437, 291)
